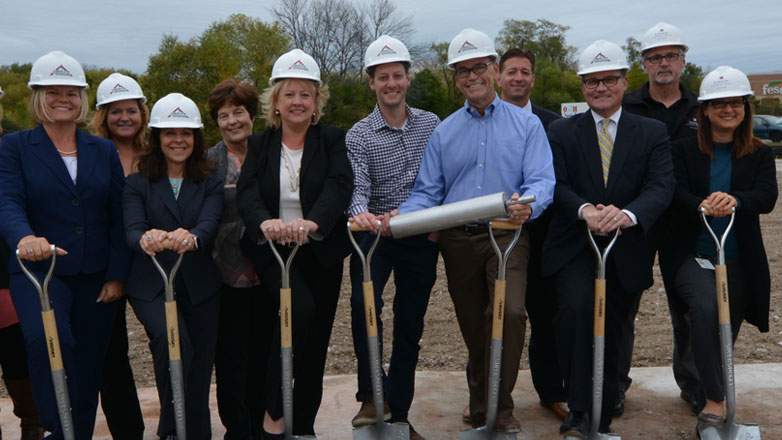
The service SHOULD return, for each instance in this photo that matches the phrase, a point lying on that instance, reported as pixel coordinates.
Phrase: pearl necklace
(66, 152)
(295, 179)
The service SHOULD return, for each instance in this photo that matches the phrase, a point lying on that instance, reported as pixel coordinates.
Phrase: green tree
(553, 86)
(544, 38)
(428, 92)
(14, 79)
(351, 100)
(691, 77)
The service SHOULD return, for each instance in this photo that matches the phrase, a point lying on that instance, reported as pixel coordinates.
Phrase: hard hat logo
(467, 46)
(178, 113)
(60, 71)
(118, 89)
(386, 51)
(600, 58)
(298, 65)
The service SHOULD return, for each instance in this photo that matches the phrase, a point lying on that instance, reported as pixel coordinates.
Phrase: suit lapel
(86, 160)
(311, 145)
(625, 132)
(163, 190)
(274, 158)
(186, 194)
(45, 150)
(587, 139)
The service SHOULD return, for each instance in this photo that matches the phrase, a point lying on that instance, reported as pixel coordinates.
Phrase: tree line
(336, 33)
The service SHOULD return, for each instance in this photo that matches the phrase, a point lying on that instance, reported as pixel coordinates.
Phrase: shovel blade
(735, 432)
(386, 431)
(596, 436)
(484, 434)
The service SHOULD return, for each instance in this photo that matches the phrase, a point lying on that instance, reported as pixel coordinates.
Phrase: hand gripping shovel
(498, 318)
(174, 350)
(286, 341)
(598, 332)
(53, 346)
(731, 431)
(380, 430)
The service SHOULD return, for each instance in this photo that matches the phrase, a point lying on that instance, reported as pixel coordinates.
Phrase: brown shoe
(507, 424)
(366, 415)
(466, 416)
(560, 409)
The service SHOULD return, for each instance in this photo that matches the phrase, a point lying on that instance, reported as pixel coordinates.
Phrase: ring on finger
(186, 243)
(149, 237)
(29, 251)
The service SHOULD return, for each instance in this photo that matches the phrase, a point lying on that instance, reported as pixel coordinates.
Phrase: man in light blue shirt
(485, 147)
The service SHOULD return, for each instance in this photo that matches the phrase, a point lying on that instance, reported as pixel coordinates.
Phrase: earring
(276, 111)
(314, 116)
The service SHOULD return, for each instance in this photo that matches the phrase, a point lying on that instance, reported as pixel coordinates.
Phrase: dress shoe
(266, 436)
(507, 424)
(576, 425)
(694, 401)
(619, 405)
(366, 414)
(466, 416)
(712, 420)
(560, 409)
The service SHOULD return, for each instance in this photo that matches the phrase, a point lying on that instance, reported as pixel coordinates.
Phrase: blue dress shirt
(470, 155)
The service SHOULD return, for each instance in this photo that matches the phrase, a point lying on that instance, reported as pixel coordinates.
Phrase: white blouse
(290, 202)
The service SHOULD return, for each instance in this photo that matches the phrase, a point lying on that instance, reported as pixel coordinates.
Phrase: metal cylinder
(478, 209)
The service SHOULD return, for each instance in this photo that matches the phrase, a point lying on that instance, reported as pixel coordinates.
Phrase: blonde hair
(100, 126)
(272, 93)
(40, 111)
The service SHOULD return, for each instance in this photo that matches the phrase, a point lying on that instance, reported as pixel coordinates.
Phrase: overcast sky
(745, 34)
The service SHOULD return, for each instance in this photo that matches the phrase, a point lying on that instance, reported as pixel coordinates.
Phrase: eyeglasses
(733, 103)
(476, 69)
(670, 57)
(609, 81)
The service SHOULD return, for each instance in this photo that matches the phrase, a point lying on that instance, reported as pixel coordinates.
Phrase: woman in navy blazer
(61, 186)
(175, 197)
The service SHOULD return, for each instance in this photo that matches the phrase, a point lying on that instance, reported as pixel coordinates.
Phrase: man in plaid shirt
(385, 150)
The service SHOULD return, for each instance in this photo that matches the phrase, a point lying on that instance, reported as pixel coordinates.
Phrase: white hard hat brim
(142, 98)
(175, 124)
(725, 94)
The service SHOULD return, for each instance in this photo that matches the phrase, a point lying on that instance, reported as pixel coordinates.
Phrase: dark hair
(744, 142)
(152, 162)
(231, 91)
(371, 69)
(520, 53)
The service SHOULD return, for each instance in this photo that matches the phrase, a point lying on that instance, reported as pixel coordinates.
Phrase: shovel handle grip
(600, 308)
(52, 340)
(498, 315)
(504, 224)
(369, 308)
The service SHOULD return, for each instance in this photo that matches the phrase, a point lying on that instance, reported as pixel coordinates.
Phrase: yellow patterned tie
(606, 147)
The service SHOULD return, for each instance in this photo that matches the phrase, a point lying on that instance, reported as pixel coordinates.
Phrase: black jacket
(325, 191)
(681, 118)
(753, 182)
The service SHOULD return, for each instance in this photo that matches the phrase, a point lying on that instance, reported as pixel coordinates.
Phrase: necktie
(606, 147)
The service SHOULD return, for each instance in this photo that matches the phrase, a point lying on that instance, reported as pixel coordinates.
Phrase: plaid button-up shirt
(386, 159)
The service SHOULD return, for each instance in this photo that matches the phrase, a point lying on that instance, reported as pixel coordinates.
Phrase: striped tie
(606, 147)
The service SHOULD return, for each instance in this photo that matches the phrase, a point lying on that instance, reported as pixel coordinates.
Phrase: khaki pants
(471, 267)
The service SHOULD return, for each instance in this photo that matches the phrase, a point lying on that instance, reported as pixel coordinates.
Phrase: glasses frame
(613, 79)
(477, 69)
(671, 57)
(719, 105)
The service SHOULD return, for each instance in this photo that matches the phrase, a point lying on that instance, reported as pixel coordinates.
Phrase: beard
(667, 79)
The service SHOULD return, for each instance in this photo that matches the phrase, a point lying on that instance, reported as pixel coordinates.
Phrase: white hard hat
(470, 44)
(386, 50)
(295, 64)
(175, 110)
(724, 82)
(663, 34)
(57, 69)
(118, 87)
(601, 56)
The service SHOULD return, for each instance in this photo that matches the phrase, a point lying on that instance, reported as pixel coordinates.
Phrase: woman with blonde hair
(295, 186)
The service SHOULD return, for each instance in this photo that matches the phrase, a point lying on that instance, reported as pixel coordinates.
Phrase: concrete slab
(653, 408)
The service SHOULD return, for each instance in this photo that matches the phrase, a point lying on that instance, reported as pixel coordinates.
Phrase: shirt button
(480, 165)
(483, 122)
(75, 202)
(479, 187)
(483, 143)
(79, 230)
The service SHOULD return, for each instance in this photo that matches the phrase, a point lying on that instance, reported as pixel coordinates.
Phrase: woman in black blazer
(724, 167)
(295, 186)
(175, 197)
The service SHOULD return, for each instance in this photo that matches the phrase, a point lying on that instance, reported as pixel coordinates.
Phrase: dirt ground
(442, 348)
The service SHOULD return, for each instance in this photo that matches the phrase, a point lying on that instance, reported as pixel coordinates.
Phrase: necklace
(295, 179)
(66, 152)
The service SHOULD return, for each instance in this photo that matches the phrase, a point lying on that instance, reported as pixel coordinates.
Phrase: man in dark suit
(517, 77)
(613, 171)
(666, 99)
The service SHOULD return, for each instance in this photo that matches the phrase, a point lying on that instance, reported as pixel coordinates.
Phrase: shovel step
(483, 434)
(735, 432)
(388, 431)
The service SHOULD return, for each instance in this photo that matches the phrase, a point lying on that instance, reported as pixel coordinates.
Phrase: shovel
(174, 350)
(286, 341)
(498, 317)
(53, 345)
(380, 430)
(731, 431)
(598, 332)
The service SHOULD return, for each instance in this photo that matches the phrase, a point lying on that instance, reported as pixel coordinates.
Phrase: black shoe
(576, 425)
(619, 405)
(694, 401)
(266, 436)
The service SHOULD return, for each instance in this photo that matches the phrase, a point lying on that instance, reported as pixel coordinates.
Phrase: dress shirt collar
(488, 111)
(378, 122)
(528, 107)
(611, 127)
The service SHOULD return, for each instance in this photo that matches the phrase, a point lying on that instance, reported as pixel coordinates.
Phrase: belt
(473, 228)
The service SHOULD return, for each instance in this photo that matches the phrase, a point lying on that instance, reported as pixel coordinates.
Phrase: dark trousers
(118, 396)
(541, 304)
(198, 338)
(13, 356)
(84, 327)
(240, 362)
(413, 261)
(471, 268)
(574, 330)
(314, 291)
(695, 286)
